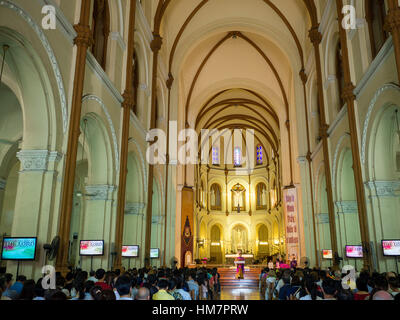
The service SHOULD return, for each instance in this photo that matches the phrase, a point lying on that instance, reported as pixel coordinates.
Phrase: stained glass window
(215, 156)
(259, 154)
(237, 157)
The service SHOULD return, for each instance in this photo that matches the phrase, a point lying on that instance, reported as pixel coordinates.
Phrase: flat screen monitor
(354, 252)
(91, 248)
(19, 248)
(130, 251)
(391, 248)
(327, 254)
(154, 253)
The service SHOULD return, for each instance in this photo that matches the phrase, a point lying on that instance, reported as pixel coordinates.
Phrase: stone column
(349, 97)
(82, 41)
(34, 205)
(98, 222)
(393, 26)
(155, 45)
(127, 105)
(316, 38)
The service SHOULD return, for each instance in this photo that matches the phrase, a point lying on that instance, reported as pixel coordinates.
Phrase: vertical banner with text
(291, 223)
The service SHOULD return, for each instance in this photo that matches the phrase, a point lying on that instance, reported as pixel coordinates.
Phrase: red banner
(291, 223)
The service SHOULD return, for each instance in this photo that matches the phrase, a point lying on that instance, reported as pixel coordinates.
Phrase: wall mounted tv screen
(391, 248)
(130, 251)
(19, 248)
(354, 252)
(154, 253)
(91, 248)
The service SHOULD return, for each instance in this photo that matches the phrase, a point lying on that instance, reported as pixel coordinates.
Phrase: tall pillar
(82, 41)
(155, 45)
(304, 79)
(97, 222)
(316, 38)
(349, 97)
(127, 105)
(34, 204)
(393, 26)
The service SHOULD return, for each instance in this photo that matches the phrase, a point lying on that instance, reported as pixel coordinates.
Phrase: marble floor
(240, 294)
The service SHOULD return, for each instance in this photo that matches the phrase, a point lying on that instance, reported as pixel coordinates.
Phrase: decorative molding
(347, 207)
(330, 79)
(103, 77)
(323, 218)
(3, 184)
(66, 27)
(50, 53)
(302, 160)
(157, 219)
(110, 123)
(374, 66)
(135, 208)
(36, 160)
(383, 188)
(99, 192)
(388, 86)
(116, 36)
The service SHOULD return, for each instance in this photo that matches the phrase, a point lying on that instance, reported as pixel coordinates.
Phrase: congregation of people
(133, 284)
(318, 284)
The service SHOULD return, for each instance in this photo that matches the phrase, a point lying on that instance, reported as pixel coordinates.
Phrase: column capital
(128, 100)
(303, 76)
(347, 207)
(84, 35)
(348, 92)
(156, 43)
(170, 81)
(383, 188)
(37, 160)
(99, 192)
(134, 208)
(392, 19)
(315, 36)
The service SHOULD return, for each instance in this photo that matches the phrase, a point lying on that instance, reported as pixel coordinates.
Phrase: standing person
(179, 288)
(270, 282)
(193, 285)
(293, 263)
(239, 261)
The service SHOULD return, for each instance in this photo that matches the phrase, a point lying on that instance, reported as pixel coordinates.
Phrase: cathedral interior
(313, 164)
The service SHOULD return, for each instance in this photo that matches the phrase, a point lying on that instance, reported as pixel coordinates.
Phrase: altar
(230, 258)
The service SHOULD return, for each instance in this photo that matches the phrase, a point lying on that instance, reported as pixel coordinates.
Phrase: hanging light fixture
(5, 48)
